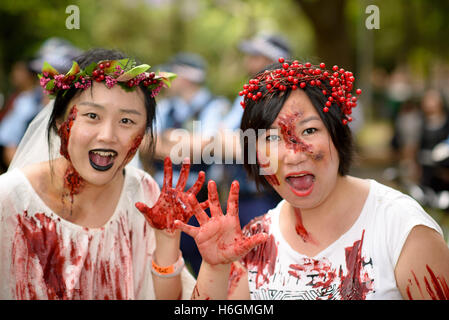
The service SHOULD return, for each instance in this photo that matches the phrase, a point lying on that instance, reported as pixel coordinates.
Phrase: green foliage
(154, 30)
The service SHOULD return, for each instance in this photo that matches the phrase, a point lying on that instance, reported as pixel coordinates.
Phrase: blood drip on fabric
(263, 257)
(354, 285)
(41, 258)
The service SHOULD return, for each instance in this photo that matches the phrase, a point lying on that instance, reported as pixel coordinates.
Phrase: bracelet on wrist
(170, 271)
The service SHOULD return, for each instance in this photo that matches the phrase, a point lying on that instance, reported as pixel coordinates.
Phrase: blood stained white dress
(43, 256)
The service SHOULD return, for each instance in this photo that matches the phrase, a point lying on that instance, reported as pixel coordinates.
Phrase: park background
(406, 53)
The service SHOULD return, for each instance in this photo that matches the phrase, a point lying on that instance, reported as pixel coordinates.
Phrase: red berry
(344, 121)
(308, 64)
(107, 64)
(302, 85)
(328, 103)
(322, 65)
(101, 66)
(268, 86)
(285, 65)
(281, 60)
(335, 68)
(294, 87)
(326, 109)
(358, 91)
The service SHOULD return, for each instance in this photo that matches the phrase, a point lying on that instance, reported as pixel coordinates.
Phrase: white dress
(358, 265)
(43, 256)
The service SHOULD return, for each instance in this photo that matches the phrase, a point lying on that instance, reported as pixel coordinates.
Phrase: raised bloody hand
(219, 238)
(173, 203)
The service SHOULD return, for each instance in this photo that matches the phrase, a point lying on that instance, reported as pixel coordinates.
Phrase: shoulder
(141, 185)
(395, 214)
(263, 223)
(15, 192)
(394, 203)
(424, 261)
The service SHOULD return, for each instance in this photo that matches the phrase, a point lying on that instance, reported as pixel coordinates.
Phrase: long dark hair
(63, 98)
(262, 113)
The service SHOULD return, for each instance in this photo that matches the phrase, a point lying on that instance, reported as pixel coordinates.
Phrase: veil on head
(34, 147)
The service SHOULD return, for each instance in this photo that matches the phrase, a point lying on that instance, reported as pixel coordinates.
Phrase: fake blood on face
(64, 132)
(134, 147)
(287, 125)
(72, 180)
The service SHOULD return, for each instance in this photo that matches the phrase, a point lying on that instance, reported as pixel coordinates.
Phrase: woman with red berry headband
(333, 236)
(77, 222)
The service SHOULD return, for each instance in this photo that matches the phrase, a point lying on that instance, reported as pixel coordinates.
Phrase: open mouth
(301, 183)
(102, 159)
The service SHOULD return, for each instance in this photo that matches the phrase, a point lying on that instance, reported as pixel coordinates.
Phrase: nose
(293, 153)
(107, 132)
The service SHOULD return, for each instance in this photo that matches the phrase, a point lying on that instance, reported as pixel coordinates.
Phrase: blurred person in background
(406, 139)
(191, 106)
(30, 99)
(24, 96)
(259, 52)
(435, 130)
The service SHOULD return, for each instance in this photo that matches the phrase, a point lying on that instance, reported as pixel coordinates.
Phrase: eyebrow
(122, 110)
(311, 118)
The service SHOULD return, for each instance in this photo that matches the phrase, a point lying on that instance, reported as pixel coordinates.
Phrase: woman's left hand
(172, 203)
(220, 239)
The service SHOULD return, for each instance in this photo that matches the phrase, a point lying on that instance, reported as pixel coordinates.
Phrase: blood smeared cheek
(268, 162)
(73, 182)
(292, 141)
(64, 132)
(133, 147)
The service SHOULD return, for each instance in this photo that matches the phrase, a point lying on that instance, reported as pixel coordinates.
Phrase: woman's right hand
(219, 238)
(172, 203)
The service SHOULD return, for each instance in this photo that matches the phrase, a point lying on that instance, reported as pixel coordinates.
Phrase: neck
(327, 210)
(80, 202)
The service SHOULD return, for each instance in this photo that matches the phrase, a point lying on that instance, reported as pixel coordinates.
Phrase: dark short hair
(63, 98)
(262, 113)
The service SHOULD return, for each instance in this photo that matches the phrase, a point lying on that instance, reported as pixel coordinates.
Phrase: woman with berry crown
(69, 204)
(333, 236)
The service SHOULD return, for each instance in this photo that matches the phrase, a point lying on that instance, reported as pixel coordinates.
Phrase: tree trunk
(332, 42)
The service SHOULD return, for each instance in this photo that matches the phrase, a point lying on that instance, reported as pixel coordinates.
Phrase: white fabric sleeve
(402, 216)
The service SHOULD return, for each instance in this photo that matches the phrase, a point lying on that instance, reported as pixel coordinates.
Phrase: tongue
(100, 160)
(301, 183)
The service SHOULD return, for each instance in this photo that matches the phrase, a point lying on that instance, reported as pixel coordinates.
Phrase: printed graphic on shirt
(308, 278)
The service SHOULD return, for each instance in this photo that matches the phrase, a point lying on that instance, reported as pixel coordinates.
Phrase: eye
(127, 121)
(309, 131)
(272, 137)
(91, 115)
